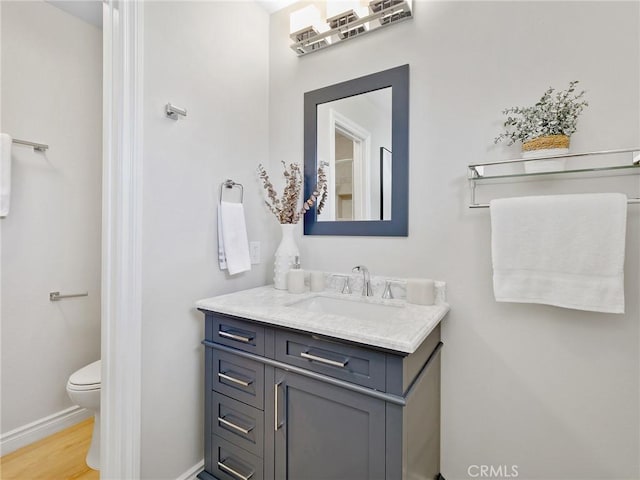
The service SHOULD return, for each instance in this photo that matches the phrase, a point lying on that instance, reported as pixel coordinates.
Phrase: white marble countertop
(402, 331)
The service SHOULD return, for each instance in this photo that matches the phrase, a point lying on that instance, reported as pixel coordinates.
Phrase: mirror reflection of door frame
(386, 167)
(361, 139)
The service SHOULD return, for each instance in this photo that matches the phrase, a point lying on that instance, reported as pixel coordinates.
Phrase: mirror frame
(398, 226)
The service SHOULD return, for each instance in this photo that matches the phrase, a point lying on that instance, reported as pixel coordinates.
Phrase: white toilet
(83, 388)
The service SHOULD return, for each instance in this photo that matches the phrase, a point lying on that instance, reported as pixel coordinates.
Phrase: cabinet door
(324, 432)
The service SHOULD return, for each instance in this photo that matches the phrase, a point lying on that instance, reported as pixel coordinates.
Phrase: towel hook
(172, 111)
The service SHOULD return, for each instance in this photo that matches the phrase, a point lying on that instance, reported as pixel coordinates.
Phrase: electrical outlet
(254, 252)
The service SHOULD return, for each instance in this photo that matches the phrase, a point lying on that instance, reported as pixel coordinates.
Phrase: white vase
(285, 256)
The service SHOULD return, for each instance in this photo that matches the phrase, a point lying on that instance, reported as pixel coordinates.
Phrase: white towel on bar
(222, 259)
(562, 250)
(234, 236)
(5, 173)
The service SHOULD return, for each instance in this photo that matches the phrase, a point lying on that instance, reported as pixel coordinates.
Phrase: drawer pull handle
(276, 424)
(234, 379)
(234, 472)
(234, 336)
(234, 426)
(315, 358)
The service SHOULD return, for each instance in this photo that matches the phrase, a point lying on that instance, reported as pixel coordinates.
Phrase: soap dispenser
(295, 277)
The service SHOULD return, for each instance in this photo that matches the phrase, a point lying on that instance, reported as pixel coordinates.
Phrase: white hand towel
(234, 235)
(5, 173)
(222, 258)
(562, 250)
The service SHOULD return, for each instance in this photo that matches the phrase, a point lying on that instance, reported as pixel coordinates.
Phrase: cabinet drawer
(238, 378)
(238, 334)
(233, 463)
(353, 364)
(238, 423)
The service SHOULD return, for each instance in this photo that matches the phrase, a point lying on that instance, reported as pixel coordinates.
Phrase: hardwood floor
(58, 457)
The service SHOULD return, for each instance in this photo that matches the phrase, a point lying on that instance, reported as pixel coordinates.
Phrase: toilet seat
(87, 378)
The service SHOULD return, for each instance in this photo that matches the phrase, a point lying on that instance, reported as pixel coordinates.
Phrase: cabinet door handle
(276, 424)
(234, 379)
(234, 426)
(234, 336)
(315, 358)
(233, 472)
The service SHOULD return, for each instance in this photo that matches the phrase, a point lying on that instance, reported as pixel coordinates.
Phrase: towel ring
(231, 184)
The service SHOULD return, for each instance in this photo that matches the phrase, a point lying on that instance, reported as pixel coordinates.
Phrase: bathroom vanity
(294, 391)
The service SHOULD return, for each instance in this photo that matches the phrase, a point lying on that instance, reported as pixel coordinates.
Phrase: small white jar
(295, 278)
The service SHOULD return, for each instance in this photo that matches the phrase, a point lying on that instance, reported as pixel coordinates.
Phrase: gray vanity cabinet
(291, 405)
(327, 432)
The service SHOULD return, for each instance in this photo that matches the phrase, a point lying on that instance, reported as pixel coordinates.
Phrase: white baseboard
(192, 472)
(34, 431)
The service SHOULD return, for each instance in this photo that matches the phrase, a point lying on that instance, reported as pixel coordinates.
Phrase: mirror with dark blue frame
(358, 132)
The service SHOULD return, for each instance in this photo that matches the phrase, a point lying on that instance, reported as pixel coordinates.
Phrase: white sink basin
(347, 308)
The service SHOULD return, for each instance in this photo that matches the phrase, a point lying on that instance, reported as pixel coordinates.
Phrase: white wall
(212, 59)
(52, 93)
(553, 391)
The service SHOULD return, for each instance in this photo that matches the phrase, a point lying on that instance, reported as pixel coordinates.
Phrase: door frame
(121, 341)
(361, 138)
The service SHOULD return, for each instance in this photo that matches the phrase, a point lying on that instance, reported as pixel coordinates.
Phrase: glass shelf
(558, 172)
(476, 170)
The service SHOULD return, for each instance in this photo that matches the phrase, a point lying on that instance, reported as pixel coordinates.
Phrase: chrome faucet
(346, 286)
(366, 285)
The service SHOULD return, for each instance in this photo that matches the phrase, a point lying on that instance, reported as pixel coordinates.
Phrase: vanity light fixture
(394, 10)
(306, 28)
(345, 19)
(342, 14)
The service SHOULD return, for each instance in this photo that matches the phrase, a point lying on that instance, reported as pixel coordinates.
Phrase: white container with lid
(295, 277)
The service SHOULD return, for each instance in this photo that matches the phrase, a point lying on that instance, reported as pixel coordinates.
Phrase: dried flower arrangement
(551, 115)
(286, 209)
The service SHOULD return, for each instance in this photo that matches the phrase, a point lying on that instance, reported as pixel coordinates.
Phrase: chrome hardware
(55, 296)
(234, 472)
(476, 171)
(233, 336)
(388, 293)
(172, 111)
(348, 25)
(366, 285)
(276, 424)
(346, 286)
(315, 358)
(234, 426)
(228, 184)
(234, 380)
(38, 147)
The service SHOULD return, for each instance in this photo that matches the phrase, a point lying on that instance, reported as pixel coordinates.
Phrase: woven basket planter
(546, 146)
(547, 142)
